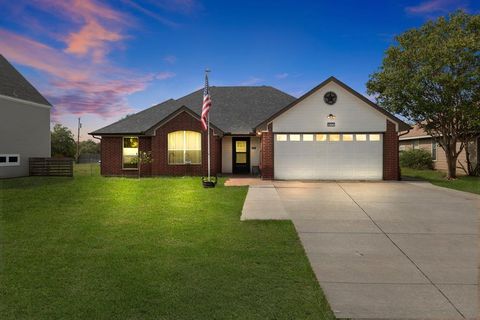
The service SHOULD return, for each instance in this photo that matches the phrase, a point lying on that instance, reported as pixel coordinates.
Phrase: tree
(62, 141)
(431, 76)
(89, 147)
(143, 157)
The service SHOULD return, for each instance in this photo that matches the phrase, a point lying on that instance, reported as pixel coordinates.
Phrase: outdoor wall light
(331, 117)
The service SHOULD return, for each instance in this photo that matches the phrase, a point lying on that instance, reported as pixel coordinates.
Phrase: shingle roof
(234, 110)
(13, 84)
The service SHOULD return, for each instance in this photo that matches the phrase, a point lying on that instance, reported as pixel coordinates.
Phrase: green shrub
(416, 159)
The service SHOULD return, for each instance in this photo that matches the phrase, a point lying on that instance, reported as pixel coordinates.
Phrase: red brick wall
(111, 151)
(111, 155)
(184, 121)
(391, 167)
(267, 154)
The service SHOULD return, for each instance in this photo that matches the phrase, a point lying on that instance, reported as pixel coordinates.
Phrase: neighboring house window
(434, 150)
(402, 147)
(130, 153)
(415, 144)
(184, 147)
(9, 160)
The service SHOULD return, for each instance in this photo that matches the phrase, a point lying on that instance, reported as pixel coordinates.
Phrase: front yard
(162, 248)
(462, 183)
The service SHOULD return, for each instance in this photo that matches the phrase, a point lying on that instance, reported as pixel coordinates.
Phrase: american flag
(207, 103)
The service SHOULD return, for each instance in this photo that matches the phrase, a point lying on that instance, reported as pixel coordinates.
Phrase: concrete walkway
(389, 250)
(263, 203)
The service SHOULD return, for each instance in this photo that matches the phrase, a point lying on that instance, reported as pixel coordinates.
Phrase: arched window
(184, 147)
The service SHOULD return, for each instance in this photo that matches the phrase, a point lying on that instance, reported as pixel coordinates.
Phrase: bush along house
(330, 133)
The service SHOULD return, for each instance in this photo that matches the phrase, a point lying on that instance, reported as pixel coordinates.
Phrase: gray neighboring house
(24, 122)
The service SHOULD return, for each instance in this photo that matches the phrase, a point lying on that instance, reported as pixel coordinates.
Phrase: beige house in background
(416, 138)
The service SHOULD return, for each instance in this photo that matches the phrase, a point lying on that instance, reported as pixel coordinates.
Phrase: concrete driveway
(385, 249)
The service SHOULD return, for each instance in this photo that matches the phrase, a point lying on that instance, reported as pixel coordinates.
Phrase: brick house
(331, 132)
(417, 138)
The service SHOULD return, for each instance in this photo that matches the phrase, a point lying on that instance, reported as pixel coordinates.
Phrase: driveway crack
(403, 252)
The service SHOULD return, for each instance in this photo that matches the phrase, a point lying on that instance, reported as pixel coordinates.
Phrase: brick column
(267, 154)
(391, 165)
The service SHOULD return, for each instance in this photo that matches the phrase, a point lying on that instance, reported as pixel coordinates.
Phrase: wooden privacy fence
(51, 167)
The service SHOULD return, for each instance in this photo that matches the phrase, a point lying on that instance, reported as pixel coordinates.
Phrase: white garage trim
(329, 156)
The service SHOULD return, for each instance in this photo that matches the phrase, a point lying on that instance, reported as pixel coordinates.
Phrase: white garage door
(328, 156)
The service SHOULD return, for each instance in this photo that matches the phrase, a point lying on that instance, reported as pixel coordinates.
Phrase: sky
(101, 60)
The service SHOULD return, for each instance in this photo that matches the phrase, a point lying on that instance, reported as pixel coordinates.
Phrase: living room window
(434, 150)
(130, 153)
(184, 147)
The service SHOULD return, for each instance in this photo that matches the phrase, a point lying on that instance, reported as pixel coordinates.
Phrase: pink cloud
(92, 38)
(94, 26)
(39, 56)
(78, 78)
(435, 6)
(73, 85)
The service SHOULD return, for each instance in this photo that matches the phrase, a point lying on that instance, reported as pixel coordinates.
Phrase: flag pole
(208, 141)
(208, 133)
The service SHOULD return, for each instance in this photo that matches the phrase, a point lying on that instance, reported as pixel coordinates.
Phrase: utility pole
(78, 139)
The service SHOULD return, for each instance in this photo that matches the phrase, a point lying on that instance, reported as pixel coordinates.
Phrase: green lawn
(155, 248)
(462, 183)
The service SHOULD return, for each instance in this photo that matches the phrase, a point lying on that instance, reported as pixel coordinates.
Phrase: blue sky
(104, 59)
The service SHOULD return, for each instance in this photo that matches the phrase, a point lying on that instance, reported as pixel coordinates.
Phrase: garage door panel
(342, 160)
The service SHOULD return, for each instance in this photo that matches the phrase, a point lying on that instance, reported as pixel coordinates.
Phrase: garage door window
(374, 137)
(361, 137)
(281, 137)
(294, 137)
(334, 137)
(308, 137)
(321, 137)
(348, 137)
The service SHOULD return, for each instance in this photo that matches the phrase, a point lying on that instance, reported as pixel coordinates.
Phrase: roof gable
(13, 84)
(402, 125)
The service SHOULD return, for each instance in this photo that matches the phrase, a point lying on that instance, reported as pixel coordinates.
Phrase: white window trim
(123, 138)
(184, 149)
(8, 163)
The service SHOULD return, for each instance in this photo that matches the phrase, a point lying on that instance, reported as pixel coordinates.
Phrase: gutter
(406, 132)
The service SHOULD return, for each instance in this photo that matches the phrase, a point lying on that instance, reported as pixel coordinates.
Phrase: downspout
(399, 171)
